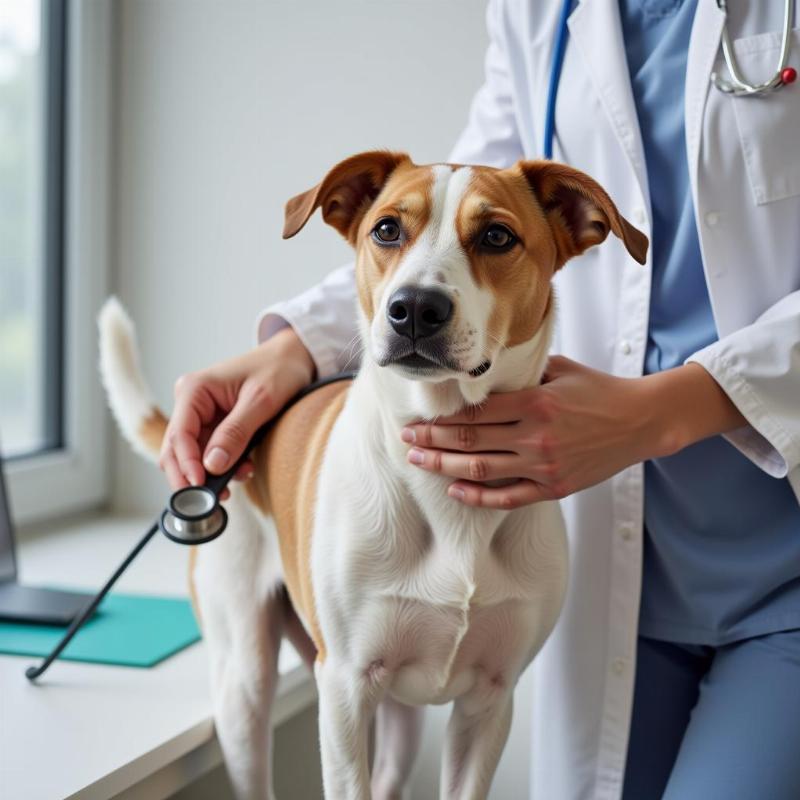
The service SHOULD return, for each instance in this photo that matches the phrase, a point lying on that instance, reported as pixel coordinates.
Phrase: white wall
(225, 109)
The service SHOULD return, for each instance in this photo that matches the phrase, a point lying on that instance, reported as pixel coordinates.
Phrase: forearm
(685, 405)
(287, 347)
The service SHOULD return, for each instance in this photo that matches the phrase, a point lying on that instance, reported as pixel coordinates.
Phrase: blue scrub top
(722, 538)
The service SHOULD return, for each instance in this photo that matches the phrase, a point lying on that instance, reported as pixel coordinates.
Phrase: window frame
(74, 476)
(55, 145)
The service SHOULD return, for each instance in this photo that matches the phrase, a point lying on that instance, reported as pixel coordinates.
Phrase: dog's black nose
(416, 313)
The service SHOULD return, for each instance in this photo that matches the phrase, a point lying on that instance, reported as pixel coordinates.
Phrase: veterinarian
(671, 423)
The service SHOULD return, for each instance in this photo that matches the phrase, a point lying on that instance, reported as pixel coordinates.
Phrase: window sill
(90, 731)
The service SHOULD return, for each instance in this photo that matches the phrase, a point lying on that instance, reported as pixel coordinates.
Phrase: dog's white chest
(416, 592)
(435, 612)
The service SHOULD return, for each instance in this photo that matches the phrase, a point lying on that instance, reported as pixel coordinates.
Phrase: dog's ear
(345, 193)
(579, 211)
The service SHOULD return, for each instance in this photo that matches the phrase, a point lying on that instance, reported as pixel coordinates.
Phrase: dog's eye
(387, 231)
(497, 237)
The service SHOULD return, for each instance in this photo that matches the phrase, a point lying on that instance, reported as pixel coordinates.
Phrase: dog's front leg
(347, 701)
(476, 734)
(398, 728)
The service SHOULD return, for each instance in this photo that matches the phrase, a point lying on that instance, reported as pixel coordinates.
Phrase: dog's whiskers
(355, 348)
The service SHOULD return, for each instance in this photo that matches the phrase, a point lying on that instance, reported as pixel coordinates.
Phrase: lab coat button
(639, 217)
(625, 347)
(712, 218)
(626, 532)
(618, 666)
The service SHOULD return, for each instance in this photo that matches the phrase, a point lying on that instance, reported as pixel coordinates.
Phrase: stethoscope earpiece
(193, 516)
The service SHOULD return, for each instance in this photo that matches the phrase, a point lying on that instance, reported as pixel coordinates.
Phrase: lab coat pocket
(769, 123)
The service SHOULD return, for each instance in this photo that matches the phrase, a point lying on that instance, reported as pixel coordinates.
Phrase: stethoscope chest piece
(193, 516)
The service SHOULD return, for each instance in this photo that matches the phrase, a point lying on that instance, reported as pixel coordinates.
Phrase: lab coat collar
(596, 29)
(703, 48)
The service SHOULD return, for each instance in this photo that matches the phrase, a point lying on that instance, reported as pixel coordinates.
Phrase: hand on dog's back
(218, 409)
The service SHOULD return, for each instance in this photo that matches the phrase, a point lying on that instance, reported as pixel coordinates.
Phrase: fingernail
(416, 456)
(456, 493)
(408, 435)
(216, 460)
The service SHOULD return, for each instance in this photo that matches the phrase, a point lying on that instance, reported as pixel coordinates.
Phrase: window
(32, 72)
(56, 74)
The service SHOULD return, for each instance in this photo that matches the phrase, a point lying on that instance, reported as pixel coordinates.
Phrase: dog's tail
(142, 423)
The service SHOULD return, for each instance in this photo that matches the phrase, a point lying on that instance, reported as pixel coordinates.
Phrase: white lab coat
(744, 163)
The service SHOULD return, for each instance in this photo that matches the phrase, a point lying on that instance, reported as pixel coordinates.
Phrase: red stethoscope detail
(736, 84)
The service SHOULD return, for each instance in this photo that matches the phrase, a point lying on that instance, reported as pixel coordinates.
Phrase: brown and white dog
(409, 597)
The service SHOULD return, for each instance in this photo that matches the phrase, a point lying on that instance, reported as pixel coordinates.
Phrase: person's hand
(577, 428)
(218, 409)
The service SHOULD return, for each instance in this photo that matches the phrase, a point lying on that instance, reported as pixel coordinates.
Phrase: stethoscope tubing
(216, 483)
(738, 85)
(557, 63)
(32, 673)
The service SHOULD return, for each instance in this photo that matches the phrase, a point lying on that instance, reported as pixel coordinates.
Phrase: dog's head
(454, 263)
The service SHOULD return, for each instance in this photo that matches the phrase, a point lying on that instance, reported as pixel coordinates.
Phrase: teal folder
(127, 630)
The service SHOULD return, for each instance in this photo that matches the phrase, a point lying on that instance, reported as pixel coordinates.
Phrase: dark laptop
(29, 603)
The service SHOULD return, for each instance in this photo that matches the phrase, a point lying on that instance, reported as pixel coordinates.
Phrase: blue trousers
(716, 723)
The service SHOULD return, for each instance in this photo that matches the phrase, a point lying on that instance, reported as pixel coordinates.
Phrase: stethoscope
(192, 516)
(736, 86)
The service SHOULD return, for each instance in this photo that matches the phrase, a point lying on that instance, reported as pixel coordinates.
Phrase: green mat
(127, 630)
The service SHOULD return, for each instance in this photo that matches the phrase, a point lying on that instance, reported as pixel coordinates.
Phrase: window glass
(30, 187)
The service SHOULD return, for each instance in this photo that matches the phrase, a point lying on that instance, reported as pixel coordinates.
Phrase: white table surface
(93, 731)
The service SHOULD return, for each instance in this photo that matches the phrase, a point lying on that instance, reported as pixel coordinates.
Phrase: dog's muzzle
(418, 317)
(417, 313)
